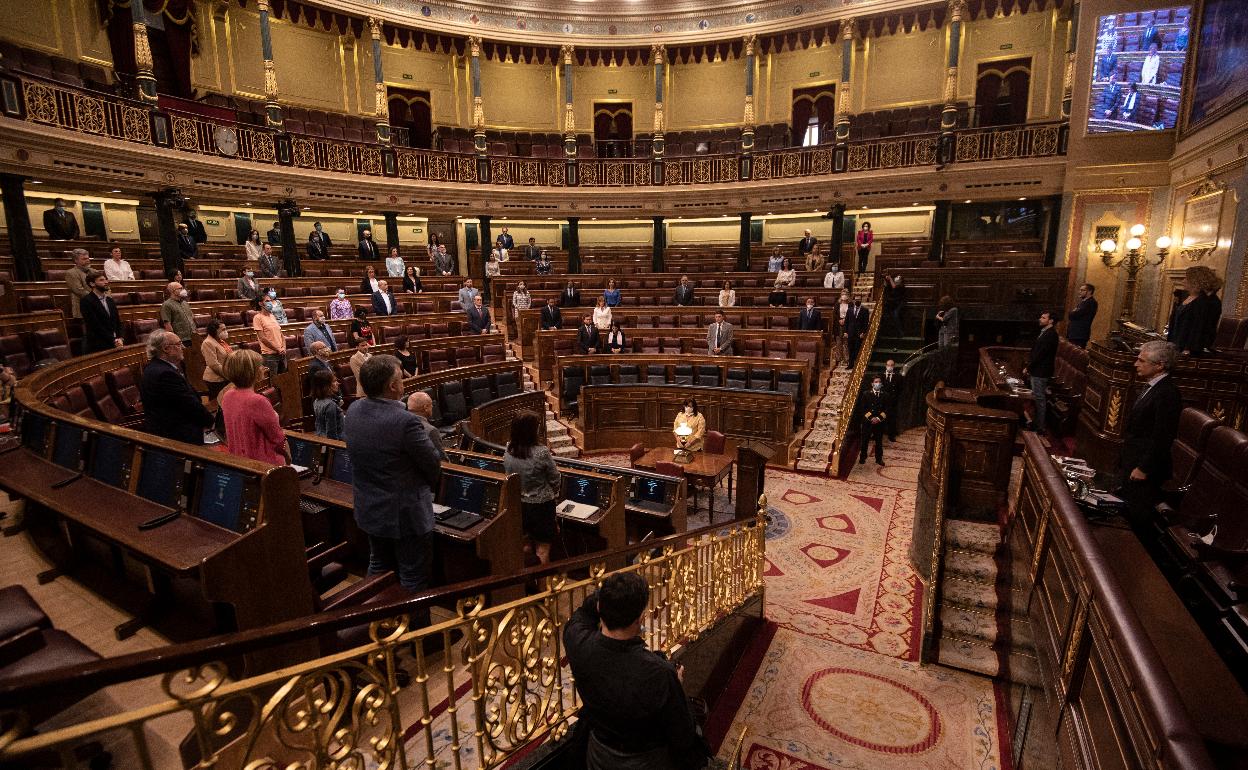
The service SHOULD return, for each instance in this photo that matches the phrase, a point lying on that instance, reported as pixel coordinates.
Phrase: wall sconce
(1134, 260)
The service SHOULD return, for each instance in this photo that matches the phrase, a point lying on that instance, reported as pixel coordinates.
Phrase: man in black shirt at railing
(634, 705)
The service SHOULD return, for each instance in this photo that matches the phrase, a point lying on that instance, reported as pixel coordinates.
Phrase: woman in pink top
(864, 240)
(251, 425)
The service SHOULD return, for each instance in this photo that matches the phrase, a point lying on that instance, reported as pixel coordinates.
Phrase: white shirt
(602, 318)
(493, 269)
(254, 250)
(118, 271)
(394, 267)
(1148, 72)
(727, 298)
(834, 280)
(501, 254)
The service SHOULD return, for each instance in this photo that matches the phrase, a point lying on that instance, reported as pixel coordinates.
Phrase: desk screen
(483, 463)
(108, 460)
(160, 477)
(651, 489)
(35, 432)
(302, 452)
(221, 497)
(67, 448)
(581, 489)
(463, 492)
(340, 470)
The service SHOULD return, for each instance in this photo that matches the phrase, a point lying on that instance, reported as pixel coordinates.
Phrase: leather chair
(125, 390)
(19, 612)
(629, 374)
(101, 401)
(599, 374)
(665, 468)
(479, 391)
(573, 379)
(13, 354)
(683, 375)
(454, 406)
(714, 442)
(656, 374)
(1188, 450)
(635, 453)
(760, 379)
(708, 374)
(737, 378)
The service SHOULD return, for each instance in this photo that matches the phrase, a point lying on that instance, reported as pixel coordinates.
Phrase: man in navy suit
(810, 319)
(171, 408)
(367, 247)
(479, 321)
(857, 320)
(587, 336)
(383, 300)
(196, 228)
(551, 317)
(570, 297)
(394, 472)
(807, 244)
(60, 222)
(1111, 95)
(1151, 426)
(101, 323)
(1130, 103)
(1079, 330)
(505, 238)
(1040, 367)
(187, 247)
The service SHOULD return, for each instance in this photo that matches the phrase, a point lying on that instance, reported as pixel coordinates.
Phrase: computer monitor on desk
(227, 498)
(584, 496)
(110, 460)
(305, 453)
(340, 465)
(463, 493)
(67, 446)
(652, 492)
(160, 477)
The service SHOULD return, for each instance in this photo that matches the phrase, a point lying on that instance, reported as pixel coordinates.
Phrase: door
(243, 227)
(93, 221)
(613, 129)
(1001, 92)
(411, 117)
(814, 112)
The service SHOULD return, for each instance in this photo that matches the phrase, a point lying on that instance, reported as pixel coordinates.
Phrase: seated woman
(602, 317)
(727, 295)
(539, 483)
(327, 404)
(361, 329)
(493, 268)
(784, 279)
(611, 294)
(407, 359)
(690, 417)
(616, 341)
(411, 280)
(251, 423)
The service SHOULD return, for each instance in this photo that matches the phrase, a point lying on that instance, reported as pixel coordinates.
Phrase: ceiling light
(968, 200)
(305, 208)
(768, 213)
(114, 191)
(359, 212)
(914, 204)
(1022, 199)
(35, 181)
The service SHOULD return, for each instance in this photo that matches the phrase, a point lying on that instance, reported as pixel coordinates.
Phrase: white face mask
(888, 369)
(341, 295)
(182, 294)
(688, 410)
(877, 386)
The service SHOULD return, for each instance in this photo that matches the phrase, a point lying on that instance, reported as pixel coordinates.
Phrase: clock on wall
(227, 140)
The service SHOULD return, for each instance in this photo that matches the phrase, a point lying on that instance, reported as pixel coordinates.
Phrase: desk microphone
(161, 520)
(68, 481)
(316, 477)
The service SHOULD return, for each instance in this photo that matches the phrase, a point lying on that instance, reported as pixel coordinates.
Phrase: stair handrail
(850, 400)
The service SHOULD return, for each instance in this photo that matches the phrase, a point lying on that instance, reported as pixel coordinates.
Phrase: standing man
(116, 268)
(269, 335)
(857, 321)
(60, 223)
(187, 247)
(318, 331)
(170, 407)
(368, 249)
(634, 706)
(507, 241)
(175, 314)
(466, 294)
(394, 471)
(891, 380)
(318, 242)
(101, 323)
(421, 405)
(719, 337)
(76, 280)
(551, 317)
(442, 263)
(195, 227)
(275, 234)
(532, 252)
(684, 292)
(1080, 317)
(270, 265)
(587, 336)
(895, 300)
(383, 300)
(874, 420)
(807, 244)
(571, 296)
(1151, 427)
(361, 356)
(1040, 368)
(479, 321)
(810, 319)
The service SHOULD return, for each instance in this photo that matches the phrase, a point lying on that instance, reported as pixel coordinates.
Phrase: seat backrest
(479, 390)
(760, 379)
(629, 374)
(683, 375)
(599, 374)
(656, 374)
(708, 374)
(1187, 451)
(507, 384)
(714, 442)
(636, 452)
(1215, 474)
(101, 400)
(665, 468)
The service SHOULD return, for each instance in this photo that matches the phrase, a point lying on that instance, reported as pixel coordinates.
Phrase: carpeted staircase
(984, 627)
(558, 437)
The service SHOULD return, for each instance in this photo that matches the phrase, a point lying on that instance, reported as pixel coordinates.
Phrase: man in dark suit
(551, 317)
(394, 472)
(587, 336)
(1040, 367)
(318, 243)
(60, 222)
(170, 407)
(571, 296)
(196, 228)
(1130, 103)
(275, 234)
(810, 319)
(891, 380)
(874, 419)
(857, 320)
(383, 300)
(684, 292)
(505, 238)
(367, 248)
(532, 252)
(1111, 96)
(1080, 317)
(479, 321)
(187, 247)
(1151, 426)
(806, 245)
(101, 324)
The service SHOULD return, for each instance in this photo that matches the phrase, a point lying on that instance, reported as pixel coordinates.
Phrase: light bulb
(1108, 245)
(1137, 230)
(1134, 244)
(1163, 242)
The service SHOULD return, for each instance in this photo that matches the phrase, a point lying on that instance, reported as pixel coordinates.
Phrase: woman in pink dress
(251, 425)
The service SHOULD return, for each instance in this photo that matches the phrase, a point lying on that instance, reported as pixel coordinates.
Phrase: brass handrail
(850, 401)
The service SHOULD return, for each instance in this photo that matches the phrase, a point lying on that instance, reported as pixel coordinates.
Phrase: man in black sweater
(1151, 427)
(1079, 328)
(1040, 367)
(635, 711)
(874, 420)
(101, 324)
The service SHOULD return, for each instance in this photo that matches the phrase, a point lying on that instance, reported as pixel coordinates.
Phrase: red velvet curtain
(180, 40)
(118, 23)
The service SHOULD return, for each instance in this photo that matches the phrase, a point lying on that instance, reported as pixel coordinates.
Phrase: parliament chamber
(353, 354)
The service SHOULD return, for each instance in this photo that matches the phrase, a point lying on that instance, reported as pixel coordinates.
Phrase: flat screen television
(466, 493)
(160, 478)
(1137, 70)
(67, 446)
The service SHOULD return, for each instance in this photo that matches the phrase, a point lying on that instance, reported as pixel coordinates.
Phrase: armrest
(337, 553)
(361, 591)
(18, 646)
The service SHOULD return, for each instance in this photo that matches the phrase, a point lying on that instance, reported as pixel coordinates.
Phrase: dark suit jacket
(569, 301)
(479, 321)
(100, 327)
(551, 317)
(874, 405)
(318, 248)
(1043, 354)
(891, 389)
(196, 229)
(857, 321)
(60, 227)
(170, 407)
(532, 253)
(394, 469)
(379, 306)
(367, 249)
(275, 236)
(684, 295)
(1151, 427)
(806, 245)
(1080, 326)
(586, 339)
(809, 321)
(187, 245)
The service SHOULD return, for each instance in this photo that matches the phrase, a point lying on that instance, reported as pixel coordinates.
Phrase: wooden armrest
(361, 591)
(323, 557)
(18, 646)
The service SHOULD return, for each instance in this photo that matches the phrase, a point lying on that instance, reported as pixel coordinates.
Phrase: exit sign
(408, 76)
(1006, 46)
(613, 90)
(814, 74)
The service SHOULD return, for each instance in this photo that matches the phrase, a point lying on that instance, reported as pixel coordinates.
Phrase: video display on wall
(1137, 71)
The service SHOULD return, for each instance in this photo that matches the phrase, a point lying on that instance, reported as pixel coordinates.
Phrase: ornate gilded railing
(1033, 140)
(618, 172)
(500, 689)
(85, 112)
(850, 400)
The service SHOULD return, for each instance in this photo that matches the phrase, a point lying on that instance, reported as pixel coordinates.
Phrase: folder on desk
(577, 510)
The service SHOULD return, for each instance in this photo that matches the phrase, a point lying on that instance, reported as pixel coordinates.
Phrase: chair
(684, 375)
(778, 348)
(656, 374)
(51, 344)
(664, 468)
(714, 442)
(467, 355)
(124, 390)
(650, 345)
(479, 390)
(101, 401)
(629, 374)
(671, 344)
(599, 374)
(491, 353)
(573, 379)
(436, 360)
(760, 379)
(737, 378)
(791, 383)
(708, 374)
(13, 354)
(635, 453)
(754, 347)
(506, 384)
(454, 407)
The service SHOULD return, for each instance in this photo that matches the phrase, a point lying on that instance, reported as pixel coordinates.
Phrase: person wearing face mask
(339, 307)
(442, 262)
(690, 417)
(520, 300)
(367, 248)
(269, 335)
(195, 227)
(275, 234)
(318, 243)
(101, 323)
(176, 315)
(810, 319)
(394, 264)
(248, 288)
(318, 331)
(857, 321)
(270, 266)
(252, 246)
(892, 381)
(327, 404)
(187, 247)
(60, 222)
(214, 349)
(275, 304)
(874, 420)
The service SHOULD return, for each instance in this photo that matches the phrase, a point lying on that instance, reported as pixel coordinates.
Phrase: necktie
(717, 336)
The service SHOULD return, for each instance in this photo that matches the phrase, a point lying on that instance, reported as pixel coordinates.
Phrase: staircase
(984, 628)
(558, 437)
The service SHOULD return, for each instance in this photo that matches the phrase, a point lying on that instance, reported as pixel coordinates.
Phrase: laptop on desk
(577, 510)
(455, 518)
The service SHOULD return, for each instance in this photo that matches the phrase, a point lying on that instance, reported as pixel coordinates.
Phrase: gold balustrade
(500, 689)
(1007, 142)
(850, 400)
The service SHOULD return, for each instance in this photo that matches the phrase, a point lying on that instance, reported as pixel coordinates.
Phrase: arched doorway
(1002, 90)
(814, 110)
(411, 117)
(613, 129)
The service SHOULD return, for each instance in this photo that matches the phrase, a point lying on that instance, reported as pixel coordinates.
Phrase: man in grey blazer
(395, 469)
(719, 337)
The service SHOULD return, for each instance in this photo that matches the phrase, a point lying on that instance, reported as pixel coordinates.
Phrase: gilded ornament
(40, 103)
(1114, 412)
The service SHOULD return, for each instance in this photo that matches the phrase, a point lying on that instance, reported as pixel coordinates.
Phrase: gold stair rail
(850, 400)
(502, 686)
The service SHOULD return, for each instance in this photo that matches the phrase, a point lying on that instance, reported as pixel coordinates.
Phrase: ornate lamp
(1134, 260)
(682, 455)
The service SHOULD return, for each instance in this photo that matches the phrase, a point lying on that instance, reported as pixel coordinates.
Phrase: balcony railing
(89, 113)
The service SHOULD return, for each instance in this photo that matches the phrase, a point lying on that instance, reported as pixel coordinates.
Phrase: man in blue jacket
(1079, 330)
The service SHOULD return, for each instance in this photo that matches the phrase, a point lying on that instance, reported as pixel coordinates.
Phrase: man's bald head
(419, 403)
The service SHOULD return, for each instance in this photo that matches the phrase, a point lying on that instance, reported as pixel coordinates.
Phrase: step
(971, 565)
(970, 623)
(979, 658)
(972, 536)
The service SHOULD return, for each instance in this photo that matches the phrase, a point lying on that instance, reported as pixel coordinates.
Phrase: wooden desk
(704, 470)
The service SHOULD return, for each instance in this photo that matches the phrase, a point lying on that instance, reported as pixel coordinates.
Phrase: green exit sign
(814, 74)
(1006, 46)
(213, 222)
(613, 90)
(408, 76)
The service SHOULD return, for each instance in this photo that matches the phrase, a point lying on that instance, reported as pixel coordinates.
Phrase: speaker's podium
(752, 458)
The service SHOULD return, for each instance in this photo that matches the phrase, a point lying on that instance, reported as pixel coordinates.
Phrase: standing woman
(253, 246)
(727, 295)
(407, 359)
(691, 417)
(215, 349)
(947, 316)
(411, 280)
(611, 294)
(340, 306)
(863, 240)
(1212, 312)
(251, 423)
(361, 329)
(785, 278)
(539, 482)
(327, 404)
(602, 317)
(394, 264)
(520, 300)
